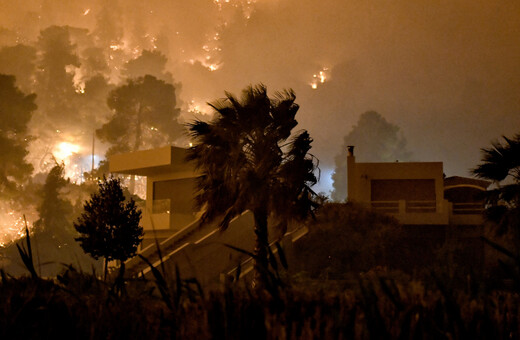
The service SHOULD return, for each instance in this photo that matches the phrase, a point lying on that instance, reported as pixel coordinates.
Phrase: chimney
(351, 173)
(350, 150)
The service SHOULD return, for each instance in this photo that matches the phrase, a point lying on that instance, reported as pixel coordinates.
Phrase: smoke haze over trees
(141, 105)
(375, 140)
(445, 73)
(16, 109)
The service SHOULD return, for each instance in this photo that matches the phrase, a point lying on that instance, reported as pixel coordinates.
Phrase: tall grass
(79, 305)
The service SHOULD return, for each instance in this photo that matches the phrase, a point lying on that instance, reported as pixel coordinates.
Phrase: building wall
(411, 191)
(361, 175)
(170, 188)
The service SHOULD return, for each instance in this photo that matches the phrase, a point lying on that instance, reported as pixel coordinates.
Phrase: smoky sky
(446, 72)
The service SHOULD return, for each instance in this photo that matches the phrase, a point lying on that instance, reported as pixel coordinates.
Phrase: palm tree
(249, 161)
(501, 164)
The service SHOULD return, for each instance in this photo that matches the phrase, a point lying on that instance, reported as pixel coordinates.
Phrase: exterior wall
(180, 210)
(413, 192)
(170, 219)
(163, 167)
(467, 204)
(363, 173)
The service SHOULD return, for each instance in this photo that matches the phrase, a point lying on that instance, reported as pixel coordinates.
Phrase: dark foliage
(249, 161)
(16, 109)
(144, 115)
(501, 164)
(79, 306)
(54, 211)
(347, 239)
(376, 140)
(109, 226)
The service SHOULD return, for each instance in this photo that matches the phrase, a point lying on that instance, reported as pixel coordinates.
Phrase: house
(416, 193)
(171, 222)
(436, 212)
(170, 189)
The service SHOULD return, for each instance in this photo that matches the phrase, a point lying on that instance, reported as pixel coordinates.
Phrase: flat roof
(150, 162)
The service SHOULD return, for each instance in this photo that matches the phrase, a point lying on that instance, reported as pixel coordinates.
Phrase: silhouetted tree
(54, 211)
(376, 140)
(57, 52)
(52, 236)
(501, 164)
(93, 105)
(16, 109)
(57, 97)
(247, 163)
(149, 62)
(94, 62)
(144, 115)
(109, 226)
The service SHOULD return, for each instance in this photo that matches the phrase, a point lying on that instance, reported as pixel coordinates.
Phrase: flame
(12, 227)
(64, 150)
(319, 78)
(197, 108)
(213, 67)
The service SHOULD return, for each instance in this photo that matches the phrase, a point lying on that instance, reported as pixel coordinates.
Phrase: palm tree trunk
(106, 269)
(261, 244)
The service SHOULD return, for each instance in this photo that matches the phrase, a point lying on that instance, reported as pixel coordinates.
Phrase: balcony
(414, 212)
(431, 212)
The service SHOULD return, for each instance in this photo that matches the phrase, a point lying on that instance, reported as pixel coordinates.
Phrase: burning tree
(16, 109)
(54, 211)
(247, 164)
(109, 227)
(144, 115)
(149, 62)
(55, 84)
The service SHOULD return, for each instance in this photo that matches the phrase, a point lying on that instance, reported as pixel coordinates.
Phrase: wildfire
(77, 78)
(213, 67)
(64, 150)
(195, 107)
(12, 227)
(319, 78)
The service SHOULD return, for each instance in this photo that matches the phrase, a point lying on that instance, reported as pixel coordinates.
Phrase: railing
(420, 207)
(395, 207)
(411, 207)
(389, 207)
(401, 207)
(467, 208)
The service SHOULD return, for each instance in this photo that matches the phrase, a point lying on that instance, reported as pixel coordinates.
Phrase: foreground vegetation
(80, 306)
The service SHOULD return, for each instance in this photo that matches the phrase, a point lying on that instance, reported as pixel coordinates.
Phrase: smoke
(445, 72)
